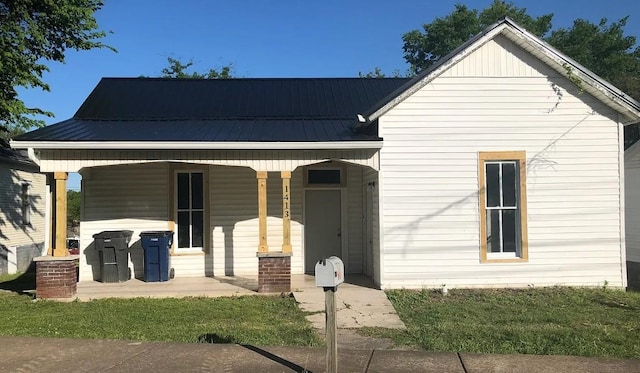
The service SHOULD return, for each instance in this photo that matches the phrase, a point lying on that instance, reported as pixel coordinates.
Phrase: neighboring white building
(22, 211)
(632, 208)
(502, 165)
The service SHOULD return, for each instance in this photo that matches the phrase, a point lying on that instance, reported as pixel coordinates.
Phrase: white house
(632, 208)
(22, 210)
(502, 165)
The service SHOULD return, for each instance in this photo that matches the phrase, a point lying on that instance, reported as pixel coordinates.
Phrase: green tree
(178, 69)
(73, 208)
(603, 48)
(32, 33)
(378, 73)
(440, 37)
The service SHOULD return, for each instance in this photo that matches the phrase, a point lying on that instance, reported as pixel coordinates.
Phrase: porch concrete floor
(358, 303)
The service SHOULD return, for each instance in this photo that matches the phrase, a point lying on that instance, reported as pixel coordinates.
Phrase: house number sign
(285, 201)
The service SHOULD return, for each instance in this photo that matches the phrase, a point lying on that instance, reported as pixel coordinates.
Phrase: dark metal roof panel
(230, 130)
(8, 155)
(169, 99)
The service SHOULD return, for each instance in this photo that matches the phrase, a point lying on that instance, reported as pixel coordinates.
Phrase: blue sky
(261, 38)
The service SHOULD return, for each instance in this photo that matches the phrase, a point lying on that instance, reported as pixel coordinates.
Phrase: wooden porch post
(60, 242)
(262, 211)
(286, 211)
(274, 267)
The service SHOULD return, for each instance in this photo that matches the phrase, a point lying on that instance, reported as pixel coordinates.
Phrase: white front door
(322, 232)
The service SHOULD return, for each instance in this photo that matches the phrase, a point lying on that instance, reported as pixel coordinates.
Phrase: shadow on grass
(214, 338)
(24, 284)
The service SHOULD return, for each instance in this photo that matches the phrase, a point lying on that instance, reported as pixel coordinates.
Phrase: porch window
(189, 210)
(502, 206)
(324, 177)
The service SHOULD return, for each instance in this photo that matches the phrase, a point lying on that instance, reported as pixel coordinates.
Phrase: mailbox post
(330, 274)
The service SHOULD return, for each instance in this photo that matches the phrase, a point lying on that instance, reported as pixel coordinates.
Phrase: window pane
(197, 225)
(509, 185)
(493, 231)
(509, 235)
(492, 178)
(324, 177)
(183, 229)
(196, 190)
(183, 191)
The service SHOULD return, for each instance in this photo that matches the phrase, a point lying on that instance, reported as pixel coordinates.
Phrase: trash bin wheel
(172, 273)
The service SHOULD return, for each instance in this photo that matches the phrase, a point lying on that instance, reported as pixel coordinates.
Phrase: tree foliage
(178, 69)
(378, 73)
(440, 37)
(73, 208)
(603, 47)
(32, 33)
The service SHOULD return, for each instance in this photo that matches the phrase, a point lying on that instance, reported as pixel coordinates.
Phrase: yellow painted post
(262, 211)
(60, 242)
(286, 211)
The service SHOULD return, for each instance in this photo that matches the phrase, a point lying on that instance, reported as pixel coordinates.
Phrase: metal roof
(20, 157)
(231, 110)
(236, 130)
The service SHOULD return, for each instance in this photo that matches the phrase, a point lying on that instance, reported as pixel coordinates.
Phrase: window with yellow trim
(503, 217)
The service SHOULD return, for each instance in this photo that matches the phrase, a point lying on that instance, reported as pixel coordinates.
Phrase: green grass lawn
(255, 320)
(558, 321)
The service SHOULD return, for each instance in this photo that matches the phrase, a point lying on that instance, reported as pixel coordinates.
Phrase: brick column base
(274, 272)
(56, 277)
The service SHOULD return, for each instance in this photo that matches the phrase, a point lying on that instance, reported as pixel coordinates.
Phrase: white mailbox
(329, 272)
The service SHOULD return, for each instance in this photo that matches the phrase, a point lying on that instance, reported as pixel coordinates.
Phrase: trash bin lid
(114, 234)
(155, 233)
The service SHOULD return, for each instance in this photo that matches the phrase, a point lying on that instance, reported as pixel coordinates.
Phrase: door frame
(344, 238)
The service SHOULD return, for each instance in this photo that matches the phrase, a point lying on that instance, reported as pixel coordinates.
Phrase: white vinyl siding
(500, 99)
(632, 202)
(355, 244)
(234, 219)
(13, 232)
(370, 176)
(133, 197)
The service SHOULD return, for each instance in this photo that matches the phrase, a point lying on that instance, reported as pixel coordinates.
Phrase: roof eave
(595, 85)
(191, 145)
(572, 70)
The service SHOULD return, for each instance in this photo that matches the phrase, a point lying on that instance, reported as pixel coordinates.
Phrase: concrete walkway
(358, 304)
(76, 355)
(175, 288)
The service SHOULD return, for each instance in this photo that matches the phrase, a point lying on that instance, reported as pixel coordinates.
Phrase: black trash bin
(157, 261)
(113, 254)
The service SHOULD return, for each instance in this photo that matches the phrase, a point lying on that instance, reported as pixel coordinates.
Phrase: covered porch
(257, 211)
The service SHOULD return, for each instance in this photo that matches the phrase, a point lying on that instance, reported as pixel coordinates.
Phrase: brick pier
(274, 272)
(56, 277)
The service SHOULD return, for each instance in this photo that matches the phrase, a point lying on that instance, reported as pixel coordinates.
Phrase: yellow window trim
(173, 167)
(521, 157)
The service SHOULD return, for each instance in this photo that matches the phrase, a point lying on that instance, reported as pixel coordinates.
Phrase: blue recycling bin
(156, 246)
